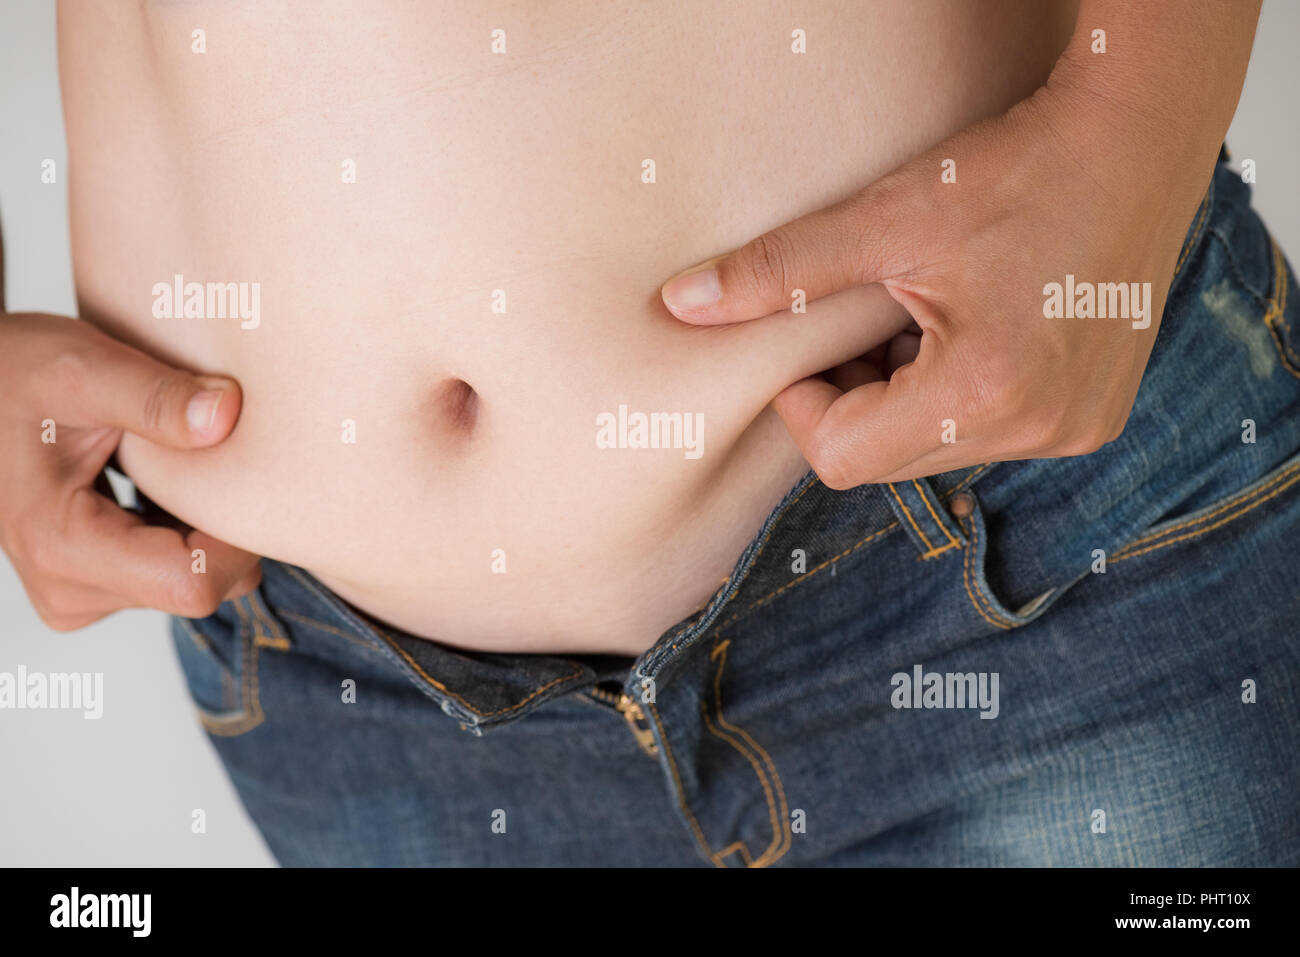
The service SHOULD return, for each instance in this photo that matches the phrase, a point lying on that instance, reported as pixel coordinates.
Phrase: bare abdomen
(458, 257)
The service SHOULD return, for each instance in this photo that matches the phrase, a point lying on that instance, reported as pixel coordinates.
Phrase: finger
(901, 350)
(108, 383)
(152, 567)
(879, 431)
(855, 372)
(66, 605)
(820, 253)
(876, 356)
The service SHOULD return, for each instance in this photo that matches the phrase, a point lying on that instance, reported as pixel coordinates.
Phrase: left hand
(1041, 192)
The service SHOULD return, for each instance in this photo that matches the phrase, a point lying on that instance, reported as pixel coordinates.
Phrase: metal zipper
(631, 710)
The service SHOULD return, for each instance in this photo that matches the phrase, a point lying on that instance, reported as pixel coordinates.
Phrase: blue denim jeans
(1075, 661)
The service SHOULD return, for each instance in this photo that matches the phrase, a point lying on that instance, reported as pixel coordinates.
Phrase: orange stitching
(778, 836)
(768, 534)
(1277, 308)
(251, 714)
(738, 846)
(301, 580)
(1120, 556)
(1196, 234)
(242, 612)
(677, 782)
(383, 633)
(808, 574)
(795, 501)
(982, 592)
(966, 481)
(316, 623)
(745, 575)
(227, 692)
(1226, 506)
(193, 632)
(274, 636)
(966, 577)
(916, 528)
(925, 500)
(767, 792)
(781, 832)
(925, 556)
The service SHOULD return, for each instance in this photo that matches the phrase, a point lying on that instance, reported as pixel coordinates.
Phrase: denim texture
(1121, 735)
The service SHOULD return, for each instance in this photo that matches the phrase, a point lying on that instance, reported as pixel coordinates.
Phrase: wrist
(1164, 78)
(1144, 149)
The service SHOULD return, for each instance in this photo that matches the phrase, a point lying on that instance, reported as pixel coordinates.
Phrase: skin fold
(1097, 174)
(478, 172)
(472, 431)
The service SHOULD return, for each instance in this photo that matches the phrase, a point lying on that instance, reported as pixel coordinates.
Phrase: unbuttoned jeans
(1073, 661)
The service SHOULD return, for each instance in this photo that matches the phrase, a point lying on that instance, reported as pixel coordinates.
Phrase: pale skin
(79, 555)
(942, 255)
(1108, 162)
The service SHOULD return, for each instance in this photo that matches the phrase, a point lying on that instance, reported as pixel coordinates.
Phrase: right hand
(79, 555)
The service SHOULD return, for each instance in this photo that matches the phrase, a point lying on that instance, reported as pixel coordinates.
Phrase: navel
(456, 405)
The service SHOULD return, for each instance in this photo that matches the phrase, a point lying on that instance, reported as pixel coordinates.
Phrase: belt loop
(928, 525)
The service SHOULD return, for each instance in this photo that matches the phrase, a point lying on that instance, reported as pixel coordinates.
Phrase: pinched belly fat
(434, 271)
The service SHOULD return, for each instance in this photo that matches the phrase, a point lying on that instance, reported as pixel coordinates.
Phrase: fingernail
(202, 410)
(693, 289)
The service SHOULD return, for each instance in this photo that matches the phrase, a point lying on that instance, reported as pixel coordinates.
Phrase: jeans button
(962, 504)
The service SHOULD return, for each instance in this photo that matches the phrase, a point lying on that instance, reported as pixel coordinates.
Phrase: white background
(121, 790)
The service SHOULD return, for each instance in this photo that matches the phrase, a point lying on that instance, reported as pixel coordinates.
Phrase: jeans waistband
(808, 534)
(813, 524)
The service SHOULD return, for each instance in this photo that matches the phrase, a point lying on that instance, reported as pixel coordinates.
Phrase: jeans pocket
(1282, 480)
(1278, 318)
(219, 658)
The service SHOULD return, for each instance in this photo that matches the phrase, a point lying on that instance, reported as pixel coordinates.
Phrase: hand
(79, 555)
(1042, 192)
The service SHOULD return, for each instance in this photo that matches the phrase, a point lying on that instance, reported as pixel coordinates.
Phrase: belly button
(456, 404)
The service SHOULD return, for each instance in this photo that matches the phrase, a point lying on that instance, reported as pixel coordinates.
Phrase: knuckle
(67, 372)
(1117, 427)
(1022, 428)
(868, 222)
(161, 399)
(1085, 441)
(1001, 406)
(995, 385)
(768, 262)
(1007, 395)
(1042, 430)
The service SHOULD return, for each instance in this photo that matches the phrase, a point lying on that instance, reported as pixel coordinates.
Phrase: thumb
(167, 406)
(820, 253)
